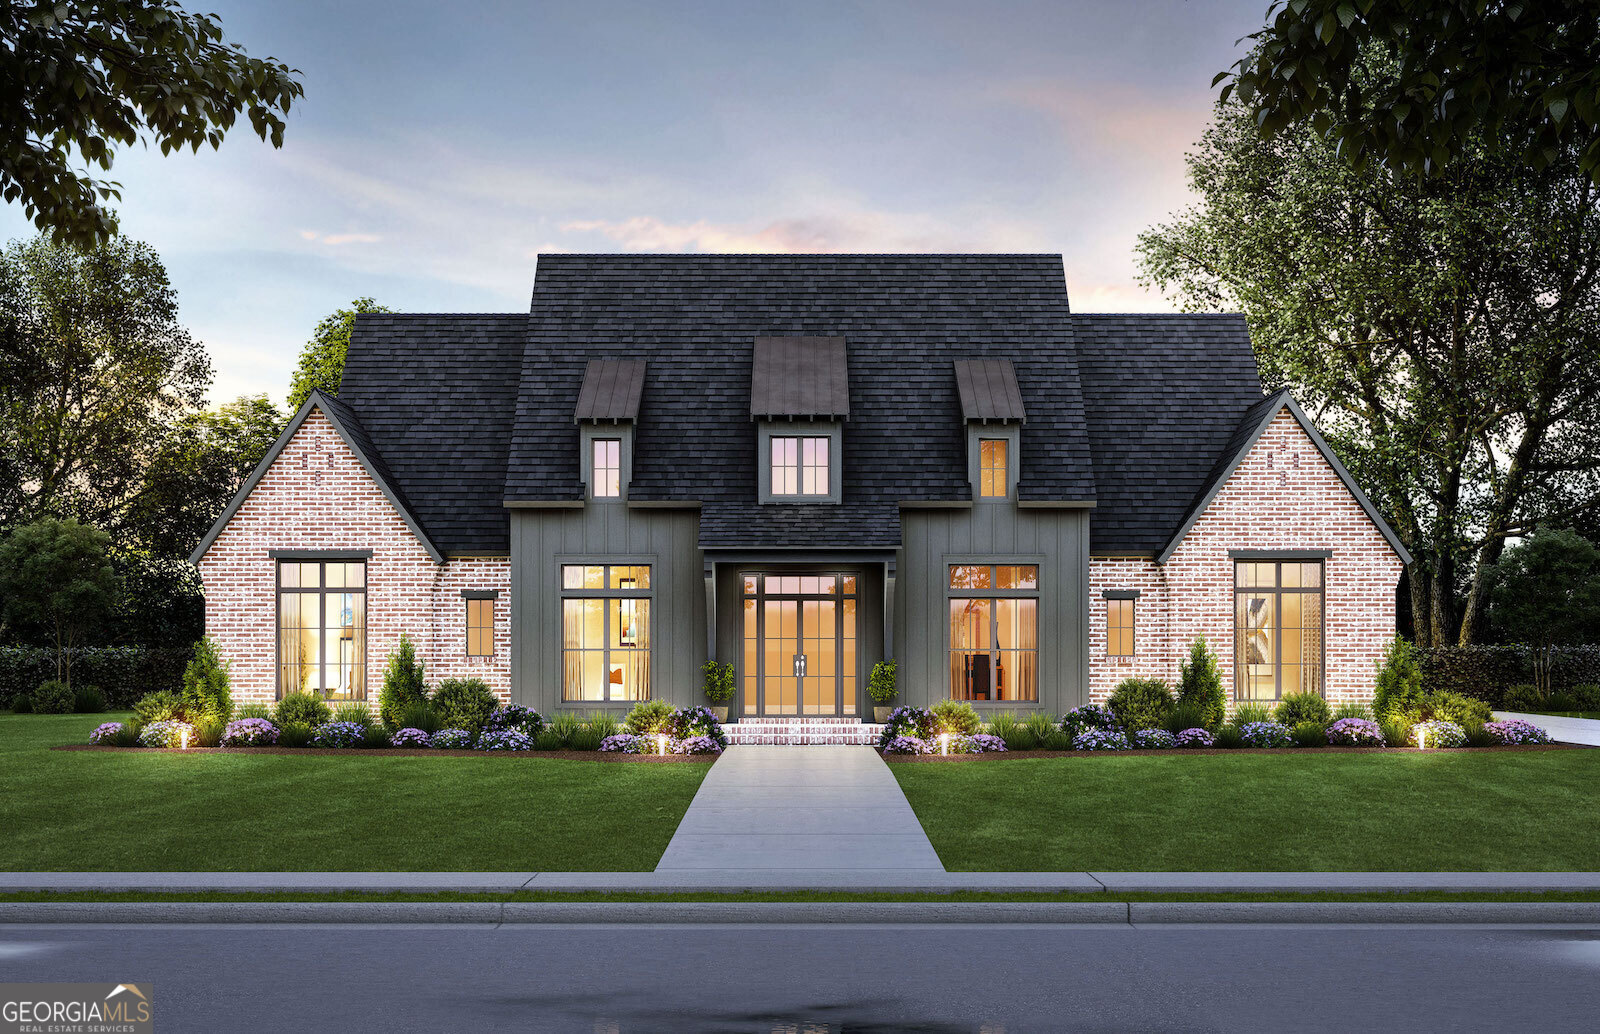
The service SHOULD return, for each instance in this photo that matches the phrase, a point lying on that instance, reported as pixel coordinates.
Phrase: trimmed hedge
(123, 673)
(1486, 672)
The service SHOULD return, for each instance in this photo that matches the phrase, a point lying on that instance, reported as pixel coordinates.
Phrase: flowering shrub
(452, 739)
(908, 745)
(697, 745)
(1194, 739)
(514, 717)
(509, 739)
(104, 734)
(1154, 739)
(1355, 732)
(689, 722)
(1100, 739)
(1509, 732)
(1437, 734)
(410, 737)
(623, 743)
(983, 743)
(338, 734)
(249, 732)
(1266, 734)
(909, 722)
(164, 734)
(1089, 716)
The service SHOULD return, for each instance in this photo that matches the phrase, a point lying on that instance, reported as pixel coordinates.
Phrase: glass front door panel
(800, 645)
(782, 642)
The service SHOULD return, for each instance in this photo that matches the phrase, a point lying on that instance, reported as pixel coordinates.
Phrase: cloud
(336, 239)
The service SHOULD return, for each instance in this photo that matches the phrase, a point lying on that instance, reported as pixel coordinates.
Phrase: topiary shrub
(161, 706)
(955, 717)
(53, 697)
(88, 700)
(1200, 686)
(1309, 734)
(648, 717)
(1399, 682)
(1141, 703)
(1302, 708)
(403, 685)
(463, 703)
(302, 708)
(206, 692)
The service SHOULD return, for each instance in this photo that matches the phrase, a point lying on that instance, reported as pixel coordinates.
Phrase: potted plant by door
(881, 687)
(719, 687)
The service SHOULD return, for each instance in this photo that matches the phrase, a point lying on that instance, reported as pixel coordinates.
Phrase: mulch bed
(409, 752)
(1018, 755)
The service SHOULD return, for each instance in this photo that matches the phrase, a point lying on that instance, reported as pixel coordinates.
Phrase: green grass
(1426, 812)
(141, 810)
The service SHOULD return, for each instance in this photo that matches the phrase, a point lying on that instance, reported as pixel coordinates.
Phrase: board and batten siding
(1055, 539)
(544, 539)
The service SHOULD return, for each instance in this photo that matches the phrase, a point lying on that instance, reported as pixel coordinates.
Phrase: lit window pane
(969, 576)
(1024, 576)
(993, 482)
(607, 464)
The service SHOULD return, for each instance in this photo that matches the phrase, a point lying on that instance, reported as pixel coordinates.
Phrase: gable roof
(989, 390)
(696, 317)
(438, 393)
(355, 436)
(1251, 427)
(611, 390)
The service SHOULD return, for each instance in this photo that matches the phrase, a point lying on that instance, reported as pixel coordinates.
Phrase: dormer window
(800, 465)
(608, 408)
(994, 479)
(799, 400)
(607, 478)
(991, 403)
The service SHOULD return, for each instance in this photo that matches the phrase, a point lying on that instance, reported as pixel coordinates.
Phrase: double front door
(799, 644)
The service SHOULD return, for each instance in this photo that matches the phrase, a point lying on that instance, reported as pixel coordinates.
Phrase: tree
(1442, 331)
(322, 359)
(207, 693)
(403, 684)
(95, 367)
(1399, 683)
(1521, 78)
(1200, 683)
(1545, 590)
(55, 573)
(80, 78)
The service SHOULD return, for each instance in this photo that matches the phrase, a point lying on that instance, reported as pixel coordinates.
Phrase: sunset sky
(441, 147)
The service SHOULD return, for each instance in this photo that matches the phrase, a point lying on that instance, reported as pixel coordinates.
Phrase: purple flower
(249, 732)
(339, 734)
(510, 739)
(983, 743)
(1154, 739)
(1510, 732)
(1100, 739)
(1437, 734)
(410, 737)
(908, 745)
(1266, 734)
(1355, 732)
(623, 743)
(103, 733)
(697, 745)
(1194, 739)
(165, 734)
(451, 739)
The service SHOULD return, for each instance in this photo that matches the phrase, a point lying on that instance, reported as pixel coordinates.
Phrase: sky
(441, 147)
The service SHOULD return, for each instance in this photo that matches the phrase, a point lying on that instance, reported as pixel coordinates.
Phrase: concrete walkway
(799, 809)
(1561, 728)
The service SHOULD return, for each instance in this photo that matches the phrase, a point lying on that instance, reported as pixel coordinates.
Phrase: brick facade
(1283, 496)
(317, 495)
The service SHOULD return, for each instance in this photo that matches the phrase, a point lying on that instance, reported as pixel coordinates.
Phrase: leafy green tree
(403, 685)
(1522, 78)
(322, 359)
(55, 574)
(1545, 590)
(1442, 331)
(1200, 683)
(1399, 684)
(95, 367)
(80, 78)
(207, 694)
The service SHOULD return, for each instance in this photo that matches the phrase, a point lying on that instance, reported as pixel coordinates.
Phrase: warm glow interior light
(661, 742)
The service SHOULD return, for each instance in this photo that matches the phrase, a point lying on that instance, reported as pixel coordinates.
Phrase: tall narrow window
(607, 474)
(322, 628)
(993, 480)
(994, 632)
(480, 627)
(1119, 627)
(605, 632)
(1278, 628)
(800, 465)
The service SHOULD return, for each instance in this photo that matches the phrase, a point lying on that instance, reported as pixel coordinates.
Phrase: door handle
(799, 665)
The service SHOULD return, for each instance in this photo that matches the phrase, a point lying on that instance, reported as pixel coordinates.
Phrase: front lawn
(1426, 812)
(142, 810)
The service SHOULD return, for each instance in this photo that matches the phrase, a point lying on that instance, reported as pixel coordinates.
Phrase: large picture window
(1278, 628)
(994, 632)
(322, 628)
(605, 632)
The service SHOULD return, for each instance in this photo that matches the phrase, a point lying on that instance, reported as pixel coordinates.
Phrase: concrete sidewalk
(765, 808)
(1561, 728)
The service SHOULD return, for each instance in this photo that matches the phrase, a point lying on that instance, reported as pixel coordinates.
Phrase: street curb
(492, 913)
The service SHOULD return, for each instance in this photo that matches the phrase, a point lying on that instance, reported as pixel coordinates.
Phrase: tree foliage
(403, 684)
(1200, 683)
(207, 690)
(1545, 591)
(1522, 78)
(81, 78)
(322, 359)
(1442, 330)
(56, 574)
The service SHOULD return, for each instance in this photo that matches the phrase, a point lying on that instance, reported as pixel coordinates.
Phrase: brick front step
(801, 731)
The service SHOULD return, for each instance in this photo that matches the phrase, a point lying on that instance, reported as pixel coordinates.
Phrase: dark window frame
(322, 558)
(604, 593)
(1113, 603)
(993, 595)
(480, 602)
(1306, 557)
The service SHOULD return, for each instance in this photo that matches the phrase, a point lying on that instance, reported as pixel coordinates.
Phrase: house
(801, 465)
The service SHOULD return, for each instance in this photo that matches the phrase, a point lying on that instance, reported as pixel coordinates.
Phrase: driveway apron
(796, 808)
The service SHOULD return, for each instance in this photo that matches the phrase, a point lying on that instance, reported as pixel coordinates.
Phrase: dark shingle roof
(611, 390)
(989, 390)
(799, 526)
(1165, 394)
(799, 377)
(436, 395)
(696, 318)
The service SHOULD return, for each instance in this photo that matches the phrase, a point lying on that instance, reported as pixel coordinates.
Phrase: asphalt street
(812, 979)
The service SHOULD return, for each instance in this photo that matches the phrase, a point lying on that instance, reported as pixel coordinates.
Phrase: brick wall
(1283, 496)
(317, 495)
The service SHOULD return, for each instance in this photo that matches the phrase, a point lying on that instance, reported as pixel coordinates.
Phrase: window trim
(563, 594)
(1278, 558)
(322, 558)
(977, 434)
(829, 429)
(1037, 594)
(466, 603)
(588, 434)
(1132, 600)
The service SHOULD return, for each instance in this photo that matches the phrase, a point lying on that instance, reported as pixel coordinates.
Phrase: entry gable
(354, 436)
(1255, 423)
